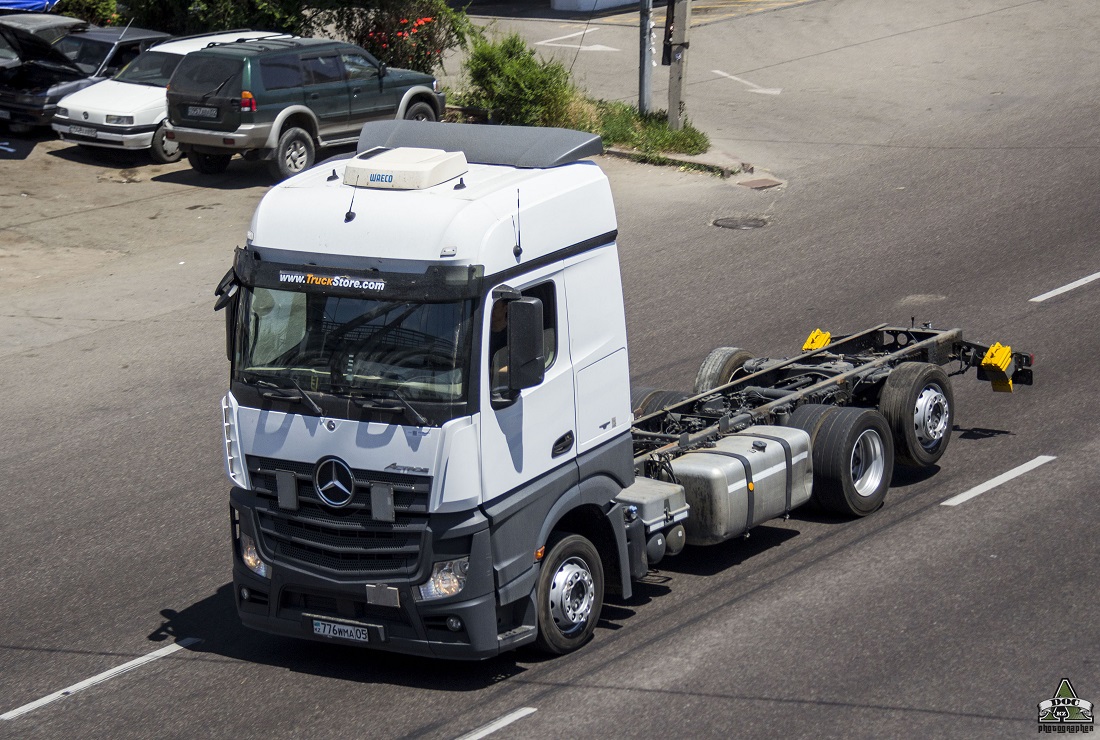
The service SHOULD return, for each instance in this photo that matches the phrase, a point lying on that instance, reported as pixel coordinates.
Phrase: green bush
(99, 12)
(519, 89)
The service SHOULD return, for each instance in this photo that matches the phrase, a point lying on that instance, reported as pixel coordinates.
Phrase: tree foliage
(413, 34)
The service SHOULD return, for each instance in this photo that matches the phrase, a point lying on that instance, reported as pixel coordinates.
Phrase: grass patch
(622, 125)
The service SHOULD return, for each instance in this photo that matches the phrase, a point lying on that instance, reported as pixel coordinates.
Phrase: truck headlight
(235, 466)
(250, 554)
(448, 579)
(121, 120)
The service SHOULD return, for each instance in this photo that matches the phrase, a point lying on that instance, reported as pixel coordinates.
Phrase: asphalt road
(941, 161)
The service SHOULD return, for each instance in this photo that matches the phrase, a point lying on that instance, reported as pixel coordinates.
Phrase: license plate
(5, 115)
(82, 131)
(345, 631)
(201, 111)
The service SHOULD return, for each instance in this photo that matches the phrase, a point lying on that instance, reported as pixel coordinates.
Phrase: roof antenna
(350, 215)
(333, 176)
(518, 249)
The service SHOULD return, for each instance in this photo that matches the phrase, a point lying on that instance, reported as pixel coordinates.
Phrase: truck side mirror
(227, 292)
(526, 354)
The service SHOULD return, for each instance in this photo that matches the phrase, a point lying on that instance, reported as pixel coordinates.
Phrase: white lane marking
(1065, 288)
(580, 44)
(100, 678)
(753, 87)
(495, 725)
(1003, 478)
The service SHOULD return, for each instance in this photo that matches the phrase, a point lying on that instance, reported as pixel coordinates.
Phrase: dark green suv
(280, 99)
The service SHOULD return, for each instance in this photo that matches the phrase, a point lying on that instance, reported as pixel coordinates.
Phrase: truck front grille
(346, 541)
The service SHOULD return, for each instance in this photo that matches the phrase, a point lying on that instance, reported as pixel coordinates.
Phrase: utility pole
(681, 21)
(645, 47)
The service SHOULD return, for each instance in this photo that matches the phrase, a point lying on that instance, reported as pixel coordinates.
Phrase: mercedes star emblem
(334, 482)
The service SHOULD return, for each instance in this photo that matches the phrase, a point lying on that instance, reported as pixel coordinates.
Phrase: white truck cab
(397, 450)
(128, 110)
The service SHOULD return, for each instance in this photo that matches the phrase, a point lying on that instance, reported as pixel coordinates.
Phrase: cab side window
(498, 332)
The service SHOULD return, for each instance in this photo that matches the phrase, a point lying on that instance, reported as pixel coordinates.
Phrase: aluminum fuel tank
(745, 479)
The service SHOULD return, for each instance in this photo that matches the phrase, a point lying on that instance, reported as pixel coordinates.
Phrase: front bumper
(97, 134)
(289, 602)
(28, 115)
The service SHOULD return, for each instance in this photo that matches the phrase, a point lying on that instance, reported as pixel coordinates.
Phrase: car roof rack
(269, 37)
(527, 147)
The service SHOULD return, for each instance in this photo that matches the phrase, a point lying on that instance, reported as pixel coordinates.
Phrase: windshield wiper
(370, 402)
(283, 392)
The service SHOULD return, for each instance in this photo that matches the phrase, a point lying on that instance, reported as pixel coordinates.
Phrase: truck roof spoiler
(513, 146)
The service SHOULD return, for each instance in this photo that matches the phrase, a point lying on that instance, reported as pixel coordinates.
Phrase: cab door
(530, 438)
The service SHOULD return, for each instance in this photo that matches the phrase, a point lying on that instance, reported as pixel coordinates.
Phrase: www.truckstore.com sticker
(1065, 712)
(330, 281)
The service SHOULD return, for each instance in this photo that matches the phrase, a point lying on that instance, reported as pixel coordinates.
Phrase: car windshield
(206, 74)
(153, 68)
(358, 347)
(87, 54)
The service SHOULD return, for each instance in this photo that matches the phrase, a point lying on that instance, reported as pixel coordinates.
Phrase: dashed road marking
(1000, 479)
(497, 724)
(100, 678)
(1065, 288)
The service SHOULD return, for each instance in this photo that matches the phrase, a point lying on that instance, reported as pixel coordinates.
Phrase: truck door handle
(563, 445)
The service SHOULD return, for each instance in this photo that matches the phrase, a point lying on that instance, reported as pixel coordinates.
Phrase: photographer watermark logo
(1065, 712)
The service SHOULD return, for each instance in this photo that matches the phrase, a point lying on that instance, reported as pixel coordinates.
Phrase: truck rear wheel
(719, 366)
(919, 404)
(853, 456)
(570, 593)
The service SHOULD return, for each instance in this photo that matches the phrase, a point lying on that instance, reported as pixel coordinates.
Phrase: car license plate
(345, 631)
(82, 131)
(201, 111)
(5, 115)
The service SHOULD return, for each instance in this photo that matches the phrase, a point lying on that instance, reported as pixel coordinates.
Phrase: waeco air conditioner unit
(404, 168)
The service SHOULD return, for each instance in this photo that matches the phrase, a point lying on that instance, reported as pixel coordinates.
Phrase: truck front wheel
(570, 593)
(853, 455)
(917, 401)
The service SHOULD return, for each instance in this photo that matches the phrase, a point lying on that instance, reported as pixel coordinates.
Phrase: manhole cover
(741, 222)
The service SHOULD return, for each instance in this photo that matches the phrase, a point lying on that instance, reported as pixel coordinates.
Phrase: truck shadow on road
(214, 621)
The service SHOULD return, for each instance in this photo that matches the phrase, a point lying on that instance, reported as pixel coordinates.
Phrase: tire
(638, 398)
(294, 153)
(919, 405)
(569, 593)
(162, 150)
(208, 164)
(420, 112)
(719, 366)
(658, 400)
(809, 417)
(853, 459)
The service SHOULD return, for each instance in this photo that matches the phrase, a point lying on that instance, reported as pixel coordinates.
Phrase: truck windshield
(358, 347)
